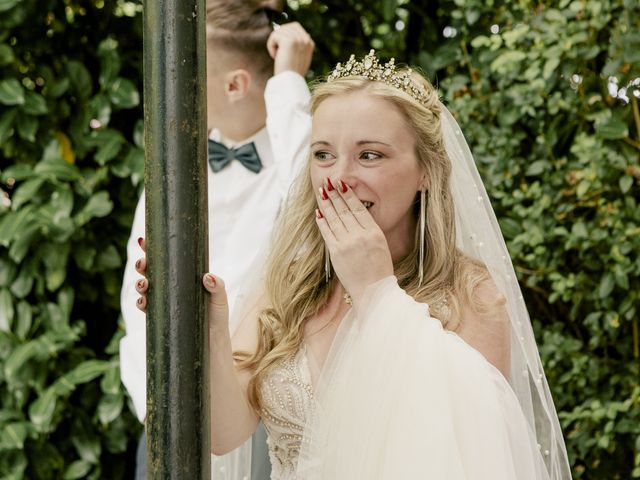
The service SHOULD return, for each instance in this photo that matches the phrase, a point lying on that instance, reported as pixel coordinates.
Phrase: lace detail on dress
(287, 396)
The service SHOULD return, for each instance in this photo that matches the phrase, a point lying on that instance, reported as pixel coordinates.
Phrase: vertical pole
(177, 422)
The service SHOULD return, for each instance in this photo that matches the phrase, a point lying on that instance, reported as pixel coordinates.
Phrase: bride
(386, 337)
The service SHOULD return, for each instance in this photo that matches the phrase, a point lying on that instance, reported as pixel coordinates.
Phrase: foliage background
(556, 139)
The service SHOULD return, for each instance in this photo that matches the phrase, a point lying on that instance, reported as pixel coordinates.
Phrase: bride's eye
(369, 155)
(322, 155)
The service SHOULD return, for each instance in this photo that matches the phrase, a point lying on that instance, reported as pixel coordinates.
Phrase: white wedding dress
(399, 397)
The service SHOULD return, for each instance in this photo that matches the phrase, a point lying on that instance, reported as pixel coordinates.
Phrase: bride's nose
(345, 170)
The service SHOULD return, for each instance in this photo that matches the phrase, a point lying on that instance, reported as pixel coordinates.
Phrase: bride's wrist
(364, 293)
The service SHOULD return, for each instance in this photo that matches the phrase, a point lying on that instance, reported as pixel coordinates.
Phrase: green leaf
(8, 4)
(612, 129)
(123, 94)
(21, 286)
(26, 192)
(550, 66)
(27, 127)
(35, 104)
(7, 272)
(80, 79)
(110, 382)
(55, 263)
(58, 170)
(6, 55)
(108, 150)
(77, 469)
(389, 9)
(56, 88)
(536, 168)
(625, 182)
(41, 411)
(606, 285)
(18, 359)
(109, 62)
(87, 371)
(17, 172)
(110, 407)
(99, 205)
(13, 436)
(24, 320)
(6, 125)
(13, 222)
(100, 107)
(22, 241)
(84, 256)
(108, 259)
(11, 92)
(6, 310)
(138, 134)
(507, 60)
(88, 447)
(481, 41)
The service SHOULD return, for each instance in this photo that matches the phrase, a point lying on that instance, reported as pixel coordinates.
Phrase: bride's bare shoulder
(484, 324)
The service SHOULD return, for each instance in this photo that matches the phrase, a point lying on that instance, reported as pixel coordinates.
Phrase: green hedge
(558, 148)
(71, 164)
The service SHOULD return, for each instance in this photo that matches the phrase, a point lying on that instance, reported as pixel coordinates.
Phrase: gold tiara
(370, 68)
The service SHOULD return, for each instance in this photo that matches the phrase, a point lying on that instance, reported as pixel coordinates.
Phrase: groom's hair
(240, 29)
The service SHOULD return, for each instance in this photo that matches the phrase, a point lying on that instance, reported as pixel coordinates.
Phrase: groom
(257, 116)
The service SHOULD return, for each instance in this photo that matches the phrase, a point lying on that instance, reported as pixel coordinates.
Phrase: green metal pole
(178, 422)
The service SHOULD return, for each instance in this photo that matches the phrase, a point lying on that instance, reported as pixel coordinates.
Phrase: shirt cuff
(284, 87)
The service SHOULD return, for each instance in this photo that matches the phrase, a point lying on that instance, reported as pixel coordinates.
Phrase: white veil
(479, 235)
(401, 398)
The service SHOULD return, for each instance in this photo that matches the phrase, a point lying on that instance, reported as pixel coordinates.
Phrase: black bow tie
(221, 156)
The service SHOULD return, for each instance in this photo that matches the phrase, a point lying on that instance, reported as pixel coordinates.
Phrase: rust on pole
(178, 421)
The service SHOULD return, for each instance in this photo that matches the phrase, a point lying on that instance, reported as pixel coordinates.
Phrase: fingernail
(210, 280)
(139, 302)
(323, 193)
(138, 262)
(140, 239)
(344, 186)
(140, 283)
(319, 213)
(329, 184)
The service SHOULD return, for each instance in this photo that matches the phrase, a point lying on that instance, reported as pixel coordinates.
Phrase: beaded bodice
(287, 395)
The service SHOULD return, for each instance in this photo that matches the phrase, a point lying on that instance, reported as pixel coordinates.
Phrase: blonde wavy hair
(295, 282)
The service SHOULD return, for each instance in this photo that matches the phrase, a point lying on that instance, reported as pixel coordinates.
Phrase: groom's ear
(237, 84)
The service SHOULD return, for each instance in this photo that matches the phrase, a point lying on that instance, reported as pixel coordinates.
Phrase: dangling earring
(423, 229)
(327, 265)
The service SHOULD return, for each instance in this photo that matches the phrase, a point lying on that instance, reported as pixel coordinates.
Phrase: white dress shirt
(242, 210)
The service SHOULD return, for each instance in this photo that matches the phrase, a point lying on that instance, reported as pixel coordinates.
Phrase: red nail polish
(329, 184)
(344, 186)
(324, 194)
(140, 239)
(140, 283)
(319, 213)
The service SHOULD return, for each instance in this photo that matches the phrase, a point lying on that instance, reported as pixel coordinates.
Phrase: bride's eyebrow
(321, 142)
(371, 142)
